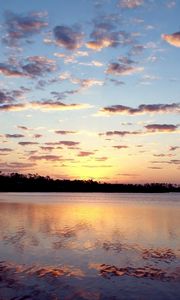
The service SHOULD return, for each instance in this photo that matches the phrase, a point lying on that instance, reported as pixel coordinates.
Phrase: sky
(89, 89)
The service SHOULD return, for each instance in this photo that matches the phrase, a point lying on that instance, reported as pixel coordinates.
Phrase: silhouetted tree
(15, 182)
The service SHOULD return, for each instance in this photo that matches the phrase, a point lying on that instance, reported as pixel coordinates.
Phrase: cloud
(86, 83)
(56, 105)
(120, 133)
(163, 155)
(131, 3)
(64, 132)
(20, 27)
(103, 158)
(83, 83)
(27, 143)
(5, 97)
(63, 95)
(63, 143)
(23, 127)
(173, 148)
(155, 168)
(100, 44)
(32, 66)
(47, 148)
(106, 34)
(68, 143)
(13, 107)
(127, 174)
(44, 106)
(141, 109)
(122, 69)
(17, 165)
(37, 136)
(120, 147)
(96, 63)
(5, 150)
(45, 157)
(68, 37)
(85, 153)
(116, 82)
(15, 136)
(38, 66)
(173, 39)
(161, 127)
(175, 161)
(97, 166)
(171, 4)
(172, 161)
(10, 71)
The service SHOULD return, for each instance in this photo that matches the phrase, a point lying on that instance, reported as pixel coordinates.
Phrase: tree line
(15, 182)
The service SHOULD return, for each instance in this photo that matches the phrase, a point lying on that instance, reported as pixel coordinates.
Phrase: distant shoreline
(34, 183)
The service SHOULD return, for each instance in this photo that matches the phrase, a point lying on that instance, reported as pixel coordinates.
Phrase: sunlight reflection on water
(81, 240)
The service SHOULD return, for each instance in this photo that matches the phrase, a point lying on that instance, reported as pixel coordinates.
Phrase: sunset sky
(90, 89)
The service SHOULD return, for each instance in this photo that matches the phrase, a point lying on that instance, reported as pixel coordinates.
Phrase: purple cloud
(20, 27)
(14, 135)
(161, 127)
(141, 109)
(106, 34)
(68, 37)
(64, 132)
(120, 133)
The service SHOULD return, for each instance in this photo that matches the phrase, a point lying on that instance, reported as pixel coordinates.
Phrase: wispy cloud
(45, 157)
(131, 3)
(64, 94)
(117, 82)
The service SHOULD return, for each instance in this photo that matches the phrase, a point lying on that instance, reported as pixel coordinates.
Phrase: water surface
(89, 246)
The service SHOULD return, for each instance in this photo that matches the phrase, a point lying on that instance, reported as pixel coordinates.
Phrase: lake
(64, 246)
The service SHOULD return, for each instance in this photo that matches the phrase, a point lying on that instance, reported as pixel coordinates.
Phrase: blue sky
(90, 89)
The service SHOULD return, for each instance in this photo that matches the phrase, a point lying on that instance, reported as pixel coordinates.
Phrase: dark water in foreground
(89, 246)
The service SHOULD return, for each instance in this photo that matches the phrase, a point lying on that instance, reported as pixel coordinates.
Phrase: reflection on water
(89, 246)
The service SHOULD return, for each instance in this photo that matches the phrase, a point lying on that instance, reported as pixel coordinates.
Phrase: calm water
(89, 246)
